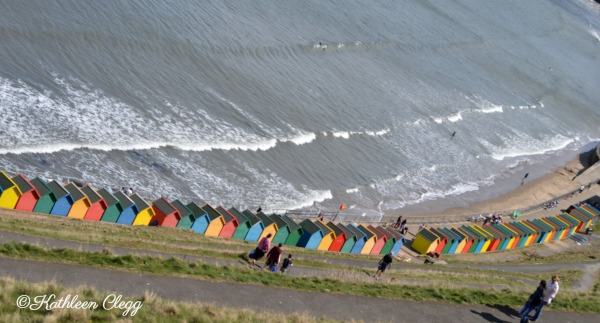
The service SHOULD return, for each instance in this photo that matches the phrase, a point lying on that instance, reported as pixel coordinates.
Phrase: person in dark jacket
(533, 302)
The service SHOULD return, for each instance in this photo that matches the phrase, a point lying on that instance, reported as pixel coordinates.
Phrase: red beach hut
(231, 223)
(29, 196)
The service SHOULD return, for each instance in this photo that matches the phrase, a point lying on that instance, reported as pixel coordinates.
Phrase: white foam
(454, 118)
(595, 34)
(352, 190)
(312, 198)
(526, 146)
(438, 120)
(341, 134)
(303, 138)
(493, 109)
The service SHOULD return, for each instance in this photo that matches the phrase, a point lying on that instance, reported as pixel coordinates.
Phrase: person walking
(287, 263)
(549, 294)
(262, 248)
(533, 302)
(273, 257)
(384, 263)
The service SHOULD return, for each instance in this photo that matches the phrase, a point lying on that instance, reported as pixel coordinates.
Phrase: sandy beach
(533, 191)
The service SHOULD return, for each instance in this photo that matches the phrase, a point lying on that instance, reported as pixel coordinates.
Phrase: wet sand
(533, 191)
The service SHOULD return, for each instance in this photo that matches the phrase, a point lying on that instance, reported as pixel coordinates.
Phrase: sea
(382, 106)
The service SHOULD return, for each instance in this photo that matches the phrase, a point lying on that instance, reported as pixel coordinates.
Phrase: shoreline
(533, 191)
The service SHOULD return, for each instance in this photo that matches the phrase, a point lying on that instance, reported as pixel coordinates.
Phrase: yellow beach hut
(9, 192)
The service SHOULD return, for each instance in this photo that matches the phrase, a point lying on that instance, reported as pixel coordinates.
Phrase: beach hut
(170, 212)
(371, 240)
(312, 235)
(566, 226)
(498, 238)
(270, 225)
(296, 231)
(508, 236)
(146, 212)
(462, 240)
(350, 238)
(539, 235)
(243, 224)
(47, 198)
(199, 219)
(579, 217)
(469, 241)
(489, 238)
(361, 238)
(283, 231)
(480, 239)
(9, 192)
(256, 226)
(113, 207)
(558, 226)
(64, 201)
(554, 229)
(573, 223)
(81, 203)
(453, 240)
(97, 204)
(340, 237)
(443, 240)
(217, 222)
(29, 195)
(328, 236)
(585, 217)
(527, 233)
(425, 241)
(390, 240)
(130, 210)
(187, 216)
(231, 223)
(544, 228)
(399, 240)
(381, 240)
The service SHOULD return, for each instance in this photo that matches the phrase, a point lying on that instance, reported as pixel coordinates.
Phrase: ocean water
(298, 104)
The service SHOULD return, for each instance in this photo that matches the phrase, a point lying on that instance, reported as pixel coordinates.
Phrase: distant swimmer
(453, 134)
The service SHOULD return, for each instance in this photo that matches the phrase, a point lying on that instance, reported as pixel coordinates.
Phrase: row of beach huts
(506, 235)
(69, 200)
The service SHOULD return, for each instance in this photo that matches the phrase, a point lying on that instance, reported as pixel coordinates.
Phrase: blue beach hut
(130, 209)
(312, 235)
(256, 226)
(201, 219)
(361, 238)
(64, 201)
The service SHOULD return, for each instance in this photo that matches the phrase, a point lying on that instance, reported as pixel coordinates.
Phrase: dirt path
(343, 307)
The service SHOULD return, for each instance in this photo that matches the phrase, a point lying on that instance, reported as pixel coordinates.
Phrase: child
(287, 263)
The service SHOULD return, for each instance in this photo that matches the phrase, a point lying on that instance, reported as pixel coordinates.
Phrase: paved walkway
(259, 297)
(342, 307)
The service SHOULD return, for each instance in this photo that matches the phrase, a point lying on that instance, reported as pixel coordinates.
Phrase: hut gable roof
(196, 210)
(226, 215)
(75, 192)
(125, 201)
(212, 213)
(92, 195)
(357, 232)
(181, 208)
(336, 229)
(58, 190)
(265, 219)
(309, 226)
(164, 206)
(5, 181)
(251, 217)
(366, 230)
(140, 202)
(239, 216)
(291, 223)
(325, 229)
(108, 197)
(428, 235)
(394, 233)
(278, 220)
(22, 183)
(41, 186)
